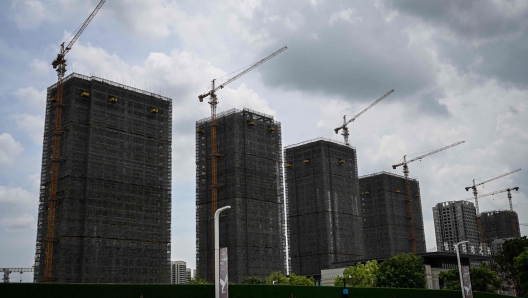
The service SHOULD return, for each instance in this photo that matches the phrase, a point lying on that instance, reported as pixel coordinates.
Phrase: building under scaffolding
(112, 221)
(386, 223)
(454, 222)
(499, 224)
(323, 207)
(250, 181)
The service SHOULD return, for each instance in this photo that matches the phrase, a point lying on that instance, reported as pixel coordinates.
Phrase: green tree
(252, 280)
(402, 271)
(483, 279)
(277, 278)
(521, 266)
(361, 275)
(197, 280)
(505, 261)
(301, 280)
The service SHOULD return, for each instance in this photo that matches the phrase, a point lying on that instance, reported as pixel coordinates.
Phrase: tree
(402, 271)
(521, 266)
(252, 280)
(277, 278)
(361, 275)
(483, 279)
(300, 280)
(197, 280)
(505, 260)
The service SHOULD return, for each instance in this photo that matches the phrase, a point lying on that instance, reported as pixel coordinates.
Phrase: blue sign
(345, 291)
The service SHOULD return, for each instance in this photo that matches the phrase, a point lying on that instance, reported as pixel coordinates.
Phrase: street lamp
(345, 290)
(460, 267)
(217, 248)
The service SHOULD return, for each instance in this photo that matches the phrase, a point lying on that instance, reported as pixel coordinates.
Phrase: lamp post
(460, 267)
(345, 290)
(217, 248)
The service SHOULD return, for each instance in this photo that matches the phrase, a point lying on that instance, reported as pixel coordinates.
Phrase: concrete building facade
(323, 205)
(178, 272)
(250, 181)
(456, 221)
(113, 205)
(386, 224)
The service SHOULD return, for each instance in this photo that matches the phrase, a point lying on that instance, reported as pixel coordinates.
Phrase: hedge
(33, 290)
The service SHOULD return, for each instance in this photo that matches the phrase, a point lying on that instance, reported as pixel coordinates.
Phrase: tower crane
(497, 192)
(408, 189)
(8, 271)
(59, 64)
(512, 217)
(214, 154)
(474, 187)
(345, 122)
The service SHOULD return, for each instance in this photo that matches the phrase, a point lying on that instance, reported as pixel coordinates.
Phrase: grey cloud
(480, 28)
(513, 110)
(358, 60)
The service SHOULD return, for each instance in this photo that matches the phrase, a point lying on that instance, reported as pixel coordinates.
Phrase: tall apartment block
(456, 221)
(249, 168)
(386, 221)
(113, 205)
(178, 272)
(323, 205)
(499, 224)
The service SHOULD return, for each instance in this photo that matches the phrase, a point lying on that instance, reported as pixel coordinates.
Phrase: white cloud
(344, 15)
(40, 67)
(21, 223)
(33, 125)
(16, 196)
(31, 97)
(9, 149)
(28, 14)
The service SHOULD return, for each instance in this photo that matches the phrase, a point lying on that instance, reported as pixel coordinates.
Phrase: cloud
(40, 67)
(9, 149)
(28, 14)
(20, 223)
(16, 196)
(343, 15)
(31, 97)
(33, 125)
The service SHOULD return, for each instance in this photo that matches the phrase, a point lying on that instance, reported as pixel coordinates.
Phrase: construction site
(249, 179)
(105, 201)
(499, 224)
(390, 224)
(323, 206)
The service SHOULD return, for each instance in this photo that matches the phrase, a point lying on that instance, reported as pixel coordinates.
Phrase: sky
(459, 70)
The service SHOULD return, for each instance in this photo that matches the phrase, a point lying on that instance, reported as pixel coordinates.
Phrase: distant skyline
(459, 70)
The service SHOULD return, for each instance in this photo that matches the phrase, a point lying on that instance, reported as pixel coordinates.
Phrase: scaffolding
(499, 224)
(385, 218)
(249, 171)
(113, 214)
(456, 221)
(323, 207)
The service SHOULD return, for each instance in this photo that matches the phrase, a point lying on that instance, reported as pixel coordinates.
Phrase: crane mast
(408, 188)
(344, 127)
(213, 102)
(59, 64)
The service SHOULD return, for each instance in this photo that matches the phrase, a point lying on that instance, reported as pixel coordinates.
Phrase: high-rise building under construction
(113, 206)
(387, 215)
(456, 221)
(249, 171)
(323, 205)
(499, 224)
